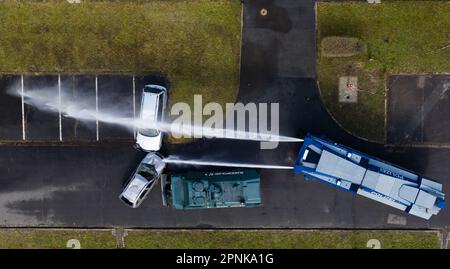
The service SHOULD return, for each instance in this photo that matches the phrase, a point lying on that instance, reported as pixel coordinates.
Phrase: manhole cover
(263, 12)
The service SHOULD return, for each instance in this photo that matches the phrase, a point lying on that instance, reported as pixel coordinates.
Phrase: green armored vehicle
(194, 190)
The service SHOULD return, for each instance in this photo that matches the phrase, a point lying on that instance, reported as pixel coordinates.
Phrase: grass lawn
(196, 44)
(396, 43)
(43, 238)
(278, 239)
(57, 238)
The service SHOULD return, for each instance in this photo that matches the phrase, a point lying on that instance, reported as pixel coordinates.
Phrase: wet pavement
(40, 125)
(118, 95)
(79, 89)
(10, 110)
(76, 185)
(418, 109)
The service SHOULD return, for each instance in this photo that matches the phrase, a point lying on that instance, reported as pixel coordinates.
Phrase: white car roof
(149, 105)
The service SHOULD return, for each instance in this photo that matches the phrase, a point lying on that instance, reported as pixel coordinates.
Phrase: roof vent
(198, 186)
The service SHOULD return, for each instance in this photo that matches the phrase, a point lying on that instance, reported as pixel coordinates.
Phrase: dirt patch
(338, 46)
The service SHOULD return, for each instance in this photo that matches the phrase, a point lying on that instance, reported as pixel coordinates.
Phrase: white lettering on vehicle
(390, 173)
(383, 196)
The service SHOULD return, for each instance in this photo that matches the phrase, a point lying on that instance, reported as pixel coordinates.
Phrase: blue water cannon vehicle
(350, 170)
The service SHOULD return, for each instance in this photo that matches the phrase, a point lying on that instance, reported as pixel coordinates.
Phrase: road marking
(23, 108)
(120, 234)
(96, 107)
(134, 105)
(373, 244)
(73, 244)
(59, 107)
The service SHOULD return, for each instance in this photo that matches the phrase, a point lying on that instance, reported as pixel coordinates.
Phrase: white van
(153, 107)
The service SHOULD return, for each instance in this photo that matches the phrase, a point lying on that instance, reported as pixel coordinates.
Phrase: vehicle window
(149, 132)
(143, 193)
(152, 90)
(147, 171)
(126, 201)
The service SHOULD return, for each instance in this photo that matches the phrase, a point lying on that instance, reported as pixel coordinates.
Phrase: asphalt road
(77, 184)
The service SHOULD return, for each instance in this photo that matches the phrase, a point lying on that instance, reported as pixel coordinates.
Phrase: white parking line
(59, 107)
(23, 108)
(96, 107)
(134, 105)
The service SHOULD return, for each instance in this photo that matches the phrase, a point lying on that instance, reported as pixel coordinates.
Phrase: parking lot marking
(59, 107)
(23, 108)
(134, 105)
(373, 244)
(96, 107)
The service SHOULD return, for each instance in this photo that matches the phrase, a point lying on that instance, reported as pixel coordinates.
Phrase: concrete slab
(348, 89)
(418, 109)
(437, 110)
(404, 111)
(10, 109)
